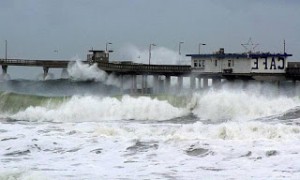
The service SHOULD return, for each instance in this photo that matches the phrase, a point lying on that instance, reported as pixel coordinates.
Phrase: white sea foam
(240, 105)
(21, 175)
(92, 108)
(199, 131)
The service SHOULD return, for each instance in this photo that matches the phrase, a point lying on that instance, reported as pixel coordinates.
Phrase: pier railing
(135, 68)
(42, 63)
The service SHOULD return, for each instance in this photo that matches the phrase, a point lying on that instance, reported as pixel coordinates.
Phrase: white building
(239, 64)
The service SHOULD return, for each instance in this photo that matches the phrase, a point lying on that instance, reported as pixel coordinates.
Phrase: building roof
(101, 51)
(239, 55)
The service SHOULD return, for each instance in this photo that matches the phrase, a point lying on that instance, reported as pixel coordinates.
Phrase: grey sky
(35, 28)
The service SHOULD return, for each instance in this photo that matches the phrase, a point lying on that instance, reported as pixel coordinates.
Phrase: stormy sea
(78, 129)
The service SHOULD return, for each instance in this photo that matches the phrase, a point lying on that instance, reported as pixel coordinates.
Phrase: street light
(150, 52)
(179, 48)
(106, 46)
(201, 44)
(5, 49)
(179, 51)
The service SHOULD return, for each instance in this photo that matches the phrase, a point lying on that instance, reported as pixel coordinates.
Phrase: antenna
(284, 46)
(250, 46)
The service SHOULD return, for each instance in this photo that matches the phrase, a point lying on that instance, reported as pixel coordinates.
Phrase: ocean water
(79, 128)
(63, 129)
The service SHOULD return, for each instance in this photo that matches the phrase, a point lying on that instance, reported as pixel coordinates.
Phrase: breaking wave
(219, 106)
(240, 105)
(12, 102)
(92, 108)
(198, 131)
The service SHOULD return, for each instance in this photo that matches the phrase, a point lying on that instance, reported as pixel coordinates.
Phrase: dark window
(203, 63)
(216, 62)
(229, 63)
(195, 63)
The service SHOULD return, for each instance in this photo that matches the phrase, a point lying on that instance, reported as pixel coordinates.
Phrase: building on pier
(240, 65)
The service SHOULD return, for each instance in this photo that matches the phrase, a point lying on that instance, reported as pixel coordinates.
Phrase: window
(216, 62)
(232, 63)
(203, 63)
(195, 63)
(229, 63)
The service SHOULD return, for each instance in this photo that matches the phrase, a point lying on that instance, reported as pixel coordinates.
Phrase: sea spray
(79, 71)
(82, 72)
(159, 55)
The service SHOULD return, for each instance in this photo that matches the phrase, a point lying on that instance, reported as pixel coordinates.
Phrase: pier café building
(245, 66)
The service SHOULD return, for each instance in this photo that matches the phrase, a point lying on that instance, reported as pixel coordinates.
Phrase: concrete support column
(179, 83)
(277, 85)
(205, 83)
(199, 83)
(133, 84)
(155, 84)
(168, 83)
(4, 69)
(64, 74)
(121, 78)
(192, 82)
(294, 87)
(145, 84)
(216, 82)
(161, 83)
(245, 84)
(46, 70)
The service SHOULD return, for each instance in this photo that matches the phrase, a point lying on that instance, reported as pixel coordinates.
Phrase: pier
(204, 68)
(45, 64)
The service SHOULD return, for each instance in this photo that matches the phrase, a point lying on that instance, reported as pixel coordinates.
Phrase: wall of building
(208, 65)
(240, 65)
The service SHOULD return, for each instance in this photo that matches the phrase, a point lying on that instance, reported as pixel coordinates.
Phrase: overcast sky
(36, 28)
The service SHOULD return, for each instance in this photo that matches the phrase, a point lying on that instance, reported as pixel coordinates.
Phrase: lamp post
(106, 46)
(200, 44)
(5, 49)
(179, 48)
(150, 52)
(179, 52)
